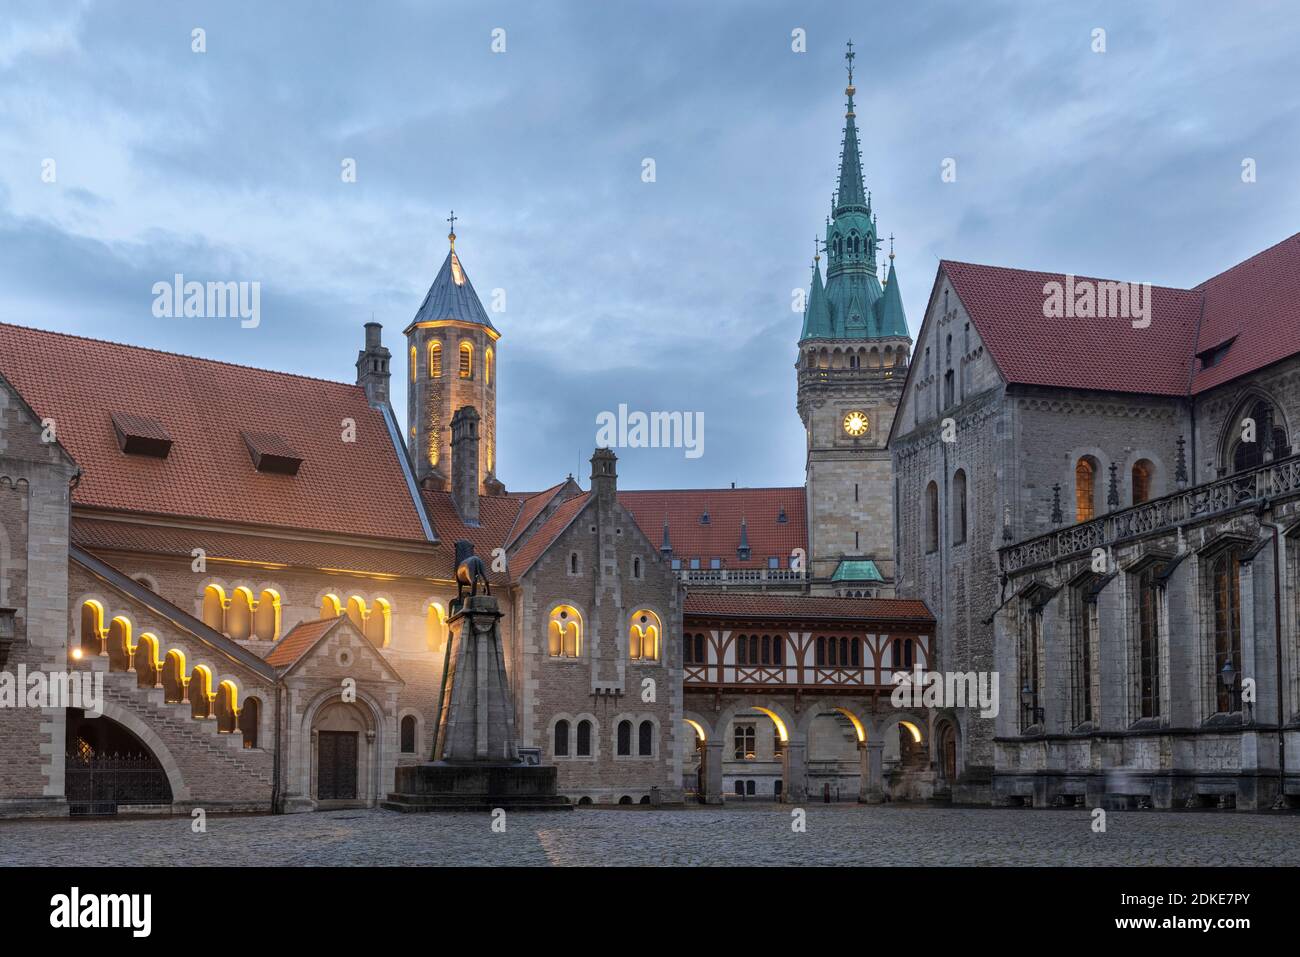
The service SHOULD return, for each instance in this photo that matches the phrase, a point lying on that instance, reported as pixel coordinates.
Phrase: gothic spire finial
(850, 192)
(451, 236)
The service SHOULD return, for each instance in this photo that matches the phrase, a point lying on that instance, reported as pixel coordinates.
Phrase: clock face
(856, 423)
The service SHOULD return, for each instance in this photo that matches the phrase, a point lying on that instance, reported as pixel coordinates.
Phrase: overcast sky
(671, 295)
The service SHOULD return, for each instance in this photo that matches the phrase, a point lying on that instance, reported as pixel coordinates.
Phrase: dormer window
(272, 453)
(141, 435)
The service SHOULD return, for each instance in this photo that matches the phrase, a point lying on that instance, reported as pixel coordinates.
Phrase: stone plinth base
(440, 786)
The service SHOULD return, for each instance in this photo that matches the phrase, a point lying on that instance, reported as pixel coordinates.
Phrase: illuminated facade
(451, 363)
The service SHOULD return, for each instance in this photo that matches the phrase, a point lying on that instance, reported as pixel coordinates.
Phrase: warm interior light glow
(781, 731)
(916, 732)
(76, 654)
(857, 725)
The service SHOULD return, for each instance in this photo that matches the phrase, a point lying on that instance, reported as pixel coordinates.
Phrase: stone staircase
(175, 722)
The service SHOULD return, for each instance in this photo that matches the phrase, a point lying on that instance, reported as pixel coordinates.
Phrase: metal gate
(98, 785)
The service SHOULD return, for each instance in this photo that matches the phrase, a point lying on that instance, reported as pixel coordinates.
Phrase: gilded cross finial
(817, 250)
(891, 245)
(451, 236)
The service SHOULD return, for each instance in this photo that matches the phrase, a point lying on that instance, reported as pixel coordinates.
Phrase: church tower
(853, 355)
(451, 364)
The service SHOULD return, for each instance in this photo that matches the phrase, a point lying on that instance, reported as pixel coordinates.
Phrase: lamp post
(1228, 678)
(1027, 699)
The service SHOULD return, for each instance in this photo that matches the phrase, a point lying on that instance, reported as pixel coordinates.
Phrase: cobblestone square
(748, 835)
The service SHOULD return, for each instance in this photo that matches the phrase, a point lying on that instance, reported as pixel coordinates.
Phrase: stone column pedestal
(713, 772)
(871, 788)
(794, 770)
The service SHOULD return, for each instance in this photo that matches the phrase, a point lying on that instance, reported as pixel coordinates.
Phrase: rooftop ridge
(178, 355)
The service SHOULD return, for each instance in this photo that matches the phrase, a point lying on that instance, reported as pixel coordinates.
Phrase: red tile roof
(300, 640)
(416, 561)
(759, 507)
(734, 605)
(534, 503)
(355, 488)
(1258, 301)
(536, 544)
(497, 515)
(1006, 306)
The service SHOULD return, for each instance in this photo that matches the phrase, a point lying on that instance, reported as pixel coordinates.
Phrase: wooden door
(336, 761)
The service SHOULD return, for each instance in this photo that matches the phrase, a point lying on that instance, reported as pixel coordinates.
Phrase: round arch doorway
(343, 758)
(106, 766)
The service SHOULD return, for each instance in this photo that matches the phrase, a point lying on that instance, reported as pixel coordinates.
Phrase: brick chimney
(372, 367)
(604, 474)
(464, 463)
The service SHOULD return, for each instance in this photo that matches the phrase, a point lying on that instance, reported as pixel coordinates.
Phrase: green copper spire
(816, 317)
(892, 320)
(850, 194)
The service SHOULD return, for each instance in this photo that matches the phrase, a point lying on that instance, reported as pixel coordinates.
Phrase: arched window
(121, 650)
(250, 716)
(1143, 472)
(239, 616)
(174, 677)
(1085, 489)
(561, 739)
(201, 693)
(564, 632)
(932, 517)
(214, 608)
(959, 507)
(330, 607)
(636, 567)
(1148, 637)
(1226, 583)
(646, 739)
(466, 360)
(487, 366)
(624, 743)
(573, 563)
(949, 388)
(266, 619)
(744, 742)
(412, 363)
(435, 359)
(408, 734)
(1257, 431)
(378, 623)
(584, 738)
(435, 628)
(227, 708)
(643, 636)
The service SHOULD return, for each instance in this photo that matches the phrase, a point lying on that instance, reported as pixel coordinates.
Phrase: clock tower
(853, 354)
